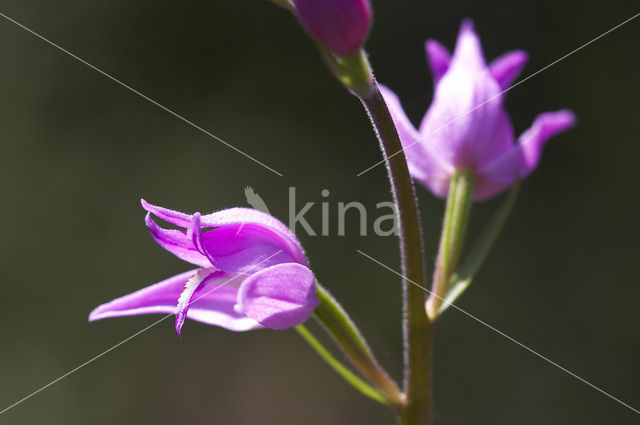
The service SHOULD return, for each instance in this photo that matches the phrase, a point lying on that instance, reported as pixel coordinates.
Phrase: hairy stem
(416, 326)
(355, 74)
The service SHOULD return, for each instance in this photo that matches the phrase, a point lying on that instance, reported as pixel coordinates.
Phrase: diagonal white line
(83, 365)
(164, 108)
(448, 123)
(499, 332)
(91, 360)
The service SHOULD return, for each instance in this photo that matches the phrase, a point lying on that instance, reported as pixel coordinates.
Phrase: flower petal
(171, 216)
(243, 239)
(499, 141)
(468, 52)
(176, 242)
(438, 57)
(406, 130)
(244, 248)
(466, 111)
(194, 235)
(341, 26)
(280, 296)
(424, 164)
(523, 158)
(507, 67)
(214, 308)
(229, 245)
(214, 303)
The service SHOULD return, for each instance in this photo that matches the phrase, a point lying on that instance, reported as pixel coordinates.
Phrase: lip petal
(280, 296)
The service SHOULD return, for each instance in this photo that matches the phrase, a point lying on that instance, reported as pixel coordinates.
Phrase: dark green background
(77, 152)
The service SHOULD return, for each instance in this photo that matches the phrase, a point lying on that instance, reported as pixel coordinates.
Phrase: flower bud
(340, 25)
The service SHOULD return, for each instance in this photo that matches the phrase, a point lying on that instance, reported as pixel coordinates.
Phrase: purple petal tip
(558, 121)
(431, 44)
(568, 116)
(433, 47)
(467, 26)
(522, 55)
(93, 316)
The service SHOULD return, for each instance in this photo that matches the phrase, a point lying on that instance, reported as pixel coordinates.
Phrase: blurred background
(78, 151)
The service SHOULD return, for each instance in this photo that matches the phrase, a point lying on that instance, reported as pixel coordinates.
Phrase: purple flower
(466, 126)
(340, 25)
(252, 272)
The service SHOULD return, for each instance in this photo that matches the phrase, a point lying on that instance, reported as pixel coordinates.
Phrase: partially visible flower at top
(466, 127)
(252, 272)
(339, 25)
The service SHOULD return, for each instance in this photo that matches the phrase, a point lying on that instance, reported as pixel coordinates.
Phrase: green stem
(338, 324)
(454, 227)
(416, 326)
(355, 74)
(478, 253)
(342, 370)
(353, 71)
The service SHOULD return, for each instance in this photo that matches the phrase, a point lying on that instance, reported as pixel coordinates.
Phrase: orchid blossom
(252, 272)
(466, 128)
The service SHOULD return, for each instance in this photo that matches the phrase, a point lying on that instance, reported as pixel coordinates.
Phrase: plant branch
(342, 370)
(344, 332)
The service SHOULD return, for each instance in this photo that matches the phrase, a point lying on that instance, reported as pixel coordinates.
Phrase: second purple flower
(466, 127)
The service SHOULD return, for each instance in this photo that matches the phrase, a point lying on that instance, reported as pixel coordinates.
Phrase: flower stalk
(344, 332)
(353, 71)
(454, 227)
(464, 274)
(342, 370)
